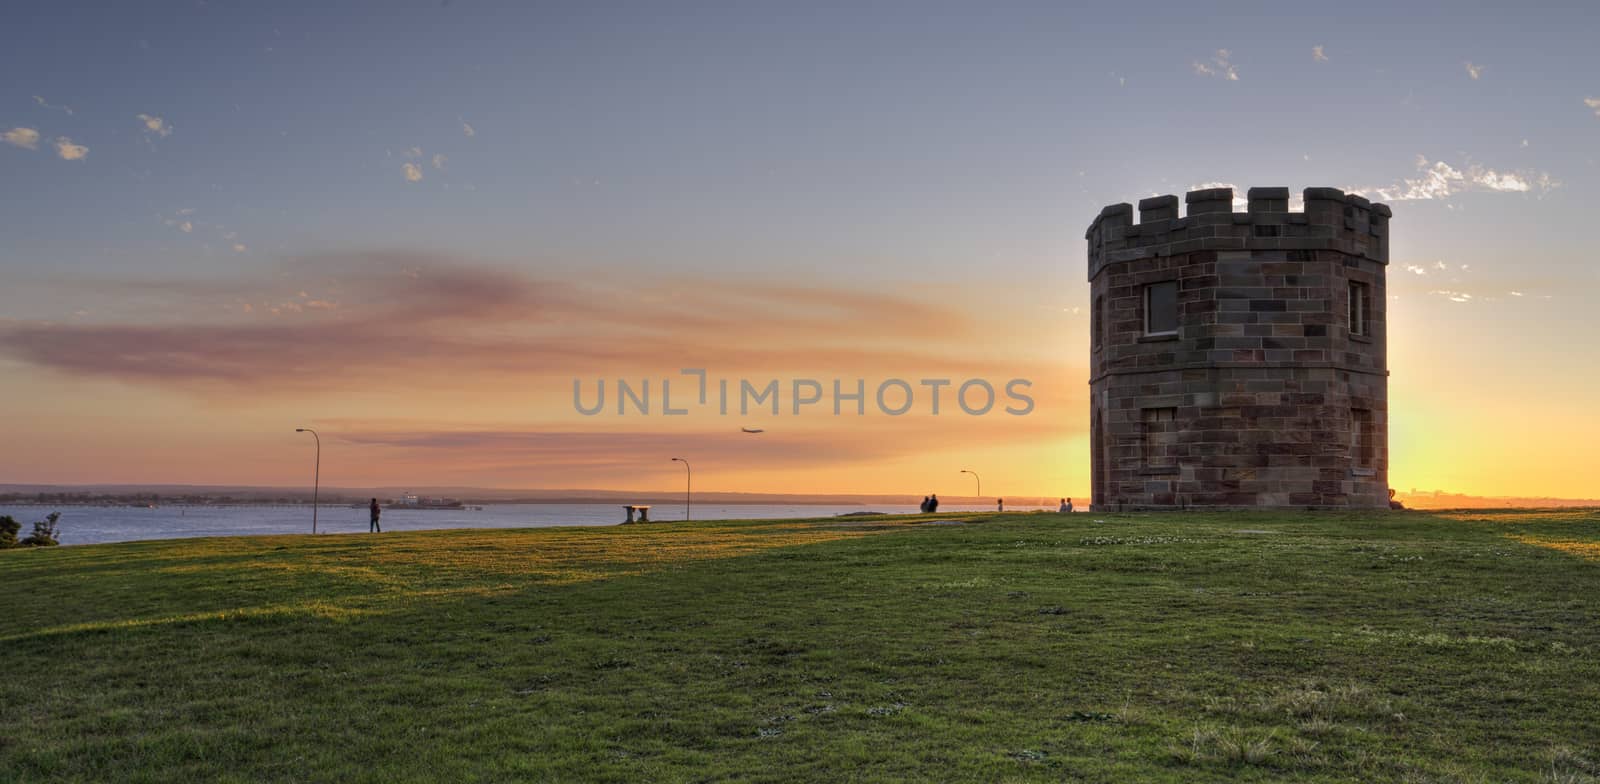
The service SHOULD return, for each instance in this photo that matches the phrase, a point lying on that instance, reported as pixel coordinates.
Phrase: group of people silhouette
(930, 504)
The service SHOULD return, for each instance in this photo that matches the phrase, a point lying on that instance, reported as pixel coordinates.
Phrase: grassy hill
(1139, 647)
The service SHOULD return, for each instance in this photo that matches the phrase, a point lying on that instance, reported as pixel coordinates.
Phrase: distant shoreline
(465, 502)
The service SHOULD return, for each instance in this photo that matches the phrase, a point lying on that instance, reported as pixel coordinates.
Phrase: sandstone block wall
(1271, 391)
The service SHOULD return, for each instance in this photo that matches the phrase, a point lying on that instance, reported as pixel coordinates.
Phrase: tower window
(1360, 319)
(1098, 327)
(1364, 451)
(1161, 308)
(1158, 433)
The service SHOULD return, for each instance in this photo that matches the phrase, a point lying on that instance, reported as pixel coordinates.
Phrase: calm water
(97, 524)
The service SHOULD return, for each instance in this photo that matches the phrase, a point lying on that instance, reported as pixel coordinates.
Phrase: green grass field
(1136, 647)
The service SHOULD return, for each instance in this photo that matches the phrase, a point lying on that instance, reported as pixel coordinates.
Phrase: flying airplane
(751, 430)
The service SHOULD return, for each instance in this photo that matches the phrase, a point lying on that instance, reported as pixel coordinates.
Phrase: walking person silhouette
(376, 511)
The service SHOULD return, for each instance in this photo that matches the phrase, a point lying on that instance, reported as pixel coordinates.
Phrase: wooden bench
(642, 509)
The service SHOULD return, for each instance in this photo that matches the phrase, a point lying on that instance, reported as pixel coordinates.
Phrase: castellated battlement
(1239, 359)
(1330, 220)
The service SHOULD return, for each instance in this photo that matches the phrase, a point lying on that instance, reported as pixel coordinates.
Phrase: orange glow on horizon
(412, 389)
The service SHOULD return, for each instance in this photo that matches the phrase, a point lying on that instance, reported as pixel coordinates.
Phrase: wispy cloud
(412, 172)
(1473, 71)
(439, 161)
(335, 318)
(1440, 180)
(155, 125)
(597, 454)
(1220, 65)
(46, 104)
(1593, 103)
(467, 129)
(26, 138)
(69, 151)
(180, 220)
(1318, 55)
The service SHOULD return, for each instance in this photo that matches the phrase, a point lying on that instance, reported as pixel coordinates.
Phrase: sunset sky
(413, 226)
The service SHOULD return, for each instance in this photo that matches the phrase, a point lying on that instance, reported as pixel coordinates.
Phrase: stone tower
(1238, 359)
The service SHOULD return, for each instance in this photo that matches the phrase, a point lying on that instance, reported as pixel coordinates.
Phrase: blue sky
(882, 146)
(914, 135)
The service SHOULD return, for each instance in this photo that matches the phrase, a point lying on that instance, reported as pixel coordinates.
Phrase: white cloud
(26, 138)
(1219, 66)
(438, 161)
(412, 171)
(1515, 293)
(1474, 71)
(414, 152)
(186, 227)
(1440, 180)
(1240, 202)
(69, 151)
(1524, 143)
(48, 105)
(1416, 269)
(467, 129)
(1318, 55)
(238, 247)
(1593, 103)
(1453, 296)
(156, 125)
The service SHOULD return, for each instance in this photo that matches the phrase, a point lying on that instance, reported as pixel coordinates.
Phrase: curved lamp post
(688, 485)
(316, 477)
(980, 481)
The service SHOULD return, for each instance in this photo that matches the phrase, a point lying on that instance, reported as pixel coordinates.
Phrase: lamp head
(299, 430)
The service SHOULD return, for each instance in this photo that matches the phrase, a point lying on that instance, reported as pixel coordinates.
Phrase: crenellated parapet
(1330, 220)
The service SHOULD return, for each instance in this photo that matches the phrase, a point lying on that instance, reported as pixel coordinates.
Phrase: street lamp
(980, 482)
(688, 482)
(316, 477)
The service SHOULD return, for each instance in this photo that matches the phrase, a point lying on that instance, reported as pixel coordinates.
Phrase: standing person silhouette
(376, 511)
(924, 507)
(933, 504)
(1000, 504)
